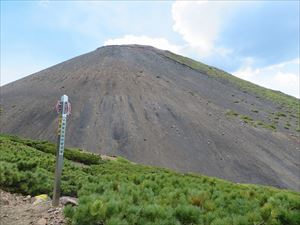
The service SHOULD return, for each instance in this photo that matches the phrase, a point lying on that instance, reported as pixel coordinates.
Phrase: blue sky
(257, 41)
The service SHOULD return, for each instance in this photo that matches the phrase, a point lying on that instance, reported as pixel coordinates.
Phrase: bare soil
(16, 209)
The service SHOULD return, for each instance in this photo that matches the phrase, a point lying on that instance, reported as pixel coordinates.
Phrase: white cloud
(200, 23)
(283, 76)
(160, 43)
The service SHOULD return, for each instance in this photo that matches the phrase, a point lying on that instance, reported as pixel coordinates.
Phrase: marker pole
(63, 109)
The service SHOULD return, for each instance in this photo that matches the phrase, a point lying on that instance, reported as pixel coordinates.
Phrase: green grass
(286, 102)
(280, 114)
(250, 121)
(254, 110)
(231, 113)
(119, 192)
(246, 119)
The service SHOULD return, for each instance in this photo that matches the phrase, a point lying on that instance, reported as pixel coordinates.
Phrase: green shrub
(260, 123)
(246, 118)
(280, 114)
(231, 113)
(120, 192)
(199, 199)
(73, 154)
(187, 214)
(153, 211)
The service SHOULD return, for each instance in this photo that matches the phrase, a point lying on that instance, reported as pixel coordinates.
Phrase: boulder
(42, 221)
(66, 200)
(40, 198)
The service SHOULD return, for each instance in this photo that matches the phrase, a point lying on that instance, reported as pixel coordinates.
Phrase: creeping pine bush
(121, 193)
(73, 154)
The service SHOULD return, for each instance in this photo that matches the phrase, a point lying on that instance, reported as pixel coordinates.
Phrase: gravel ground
(16, 209)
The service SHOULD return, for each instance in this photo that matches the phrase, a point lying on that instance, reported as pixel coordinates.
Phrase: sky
(255, 40)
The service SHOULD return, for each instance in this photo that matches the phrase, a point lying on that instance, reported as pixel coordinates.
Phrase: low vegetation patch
(77, 155)
(119, 192)
(280, 114)
(231, 113)
(250, 121)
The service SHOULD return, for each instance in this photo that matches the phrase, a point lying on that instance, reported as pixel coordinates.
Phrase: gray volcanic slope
(145, 104)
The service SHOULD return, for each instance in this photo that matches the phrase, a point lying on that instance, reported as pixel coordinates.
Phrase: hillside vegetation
(286, 101)
(120, 192)
(287, 106)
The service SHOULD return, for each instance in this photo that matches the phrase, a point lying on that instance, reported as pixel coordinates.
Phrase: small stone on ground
(16, 209)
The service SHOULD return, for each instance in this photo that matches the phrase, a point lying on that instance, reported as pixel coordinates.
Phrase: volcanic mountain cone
(158, 108)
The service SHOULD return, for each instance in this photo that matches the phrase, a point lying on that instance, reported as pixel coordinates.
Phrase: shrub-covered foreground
(119, 192)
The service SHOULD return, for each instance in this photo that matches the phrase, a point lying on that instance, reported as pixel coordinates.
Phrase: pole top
(64, 98)
(63, 106)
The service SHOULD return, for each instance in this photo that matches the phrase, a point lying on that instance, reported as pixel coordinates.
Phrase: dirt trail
(17, 209)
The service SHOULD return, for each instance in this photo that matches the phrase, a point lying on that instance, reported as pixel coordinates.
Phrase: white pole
(64, 111)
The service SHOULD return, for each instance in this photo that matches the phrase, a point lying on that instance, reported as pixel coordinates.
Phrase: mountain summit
(155, 107)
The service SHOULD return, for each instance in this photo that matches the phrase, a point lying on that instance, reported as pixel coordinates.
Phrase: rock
(27, 198)
(66, 200)
(38, 201)
(51, 210)
(42, 221)
(40, 198)
(4, 201)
